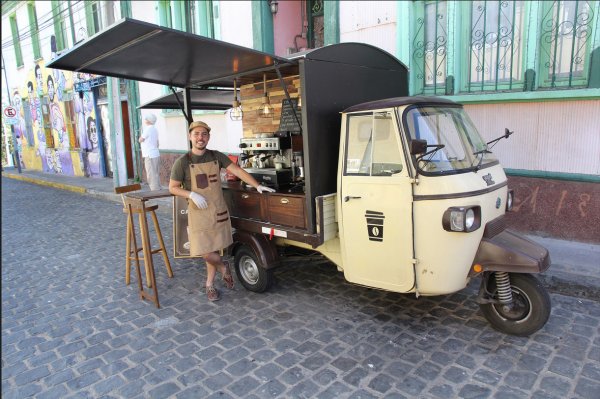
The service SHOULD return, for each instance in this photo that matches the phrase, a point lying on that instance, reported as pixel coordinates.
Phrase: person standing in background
(150, 153)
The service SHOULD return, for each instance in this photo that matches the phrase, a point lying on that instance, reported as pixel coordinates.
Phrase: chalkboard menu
(288, 121)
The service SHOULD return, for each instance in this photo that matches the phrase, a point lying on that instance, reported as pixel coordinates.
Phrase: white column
(119, 166)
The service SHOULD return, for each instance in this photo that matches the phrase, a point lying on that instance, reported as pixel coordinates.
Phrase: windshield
(453, 143)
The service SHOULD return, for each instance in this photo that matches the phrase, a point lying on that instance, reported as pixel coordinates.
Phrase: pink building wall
(287, 25)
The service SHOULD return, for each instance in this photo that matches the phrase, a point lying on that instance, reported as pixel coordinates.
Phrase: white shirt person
(149, 146)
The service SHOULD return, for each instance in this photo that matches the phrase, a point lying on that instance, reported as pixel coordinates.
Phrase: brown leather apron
(210, 228)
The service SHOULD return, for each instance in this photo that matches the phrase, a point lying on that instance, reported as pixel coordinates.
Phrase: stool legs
(151, 282)
(162, 245)
(146, 248)
(128, 252)
(132, 252)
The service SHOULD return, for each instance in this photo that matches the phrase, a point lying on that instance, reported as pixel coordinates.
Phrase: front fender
(265, 249)
(510, 252)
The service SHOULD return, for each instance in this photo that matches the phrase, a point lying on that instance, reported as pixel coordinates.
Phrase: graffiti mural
(20, 127)
(57, 130)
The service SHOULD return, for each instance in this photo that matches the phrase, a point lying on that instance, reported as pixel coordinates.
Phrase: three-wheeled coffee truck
(400, 193)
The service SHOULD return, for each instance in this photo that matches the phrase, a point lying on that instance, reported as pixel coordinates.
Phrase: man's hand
(264, 189)
(199, 200)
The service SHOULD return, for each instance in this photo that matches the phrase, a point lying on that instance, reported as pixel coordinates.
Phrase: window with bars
(501, 45)
(565, 37)
(430, 47)
(316, 23)
(495, 46)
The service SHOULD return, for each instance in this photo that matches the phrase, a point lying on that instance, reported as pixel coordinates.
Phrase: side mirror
(418, 146)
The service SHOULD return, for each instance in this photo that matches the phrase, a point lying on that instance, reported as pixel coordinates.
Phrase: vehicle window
(358, 144)
(435, 127)
(451, 131)
(372, 146)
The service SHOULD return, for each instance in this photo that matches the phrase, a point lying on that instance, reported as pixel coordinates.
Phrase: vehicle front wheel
(529, 310)
(250, 271)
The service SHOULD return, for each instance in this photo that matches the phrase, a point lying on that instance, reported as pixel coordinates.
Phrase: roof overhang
(137, 50)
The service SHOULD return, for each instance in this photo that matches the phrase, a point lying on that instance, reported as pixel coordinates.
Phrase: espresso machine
(267, 159)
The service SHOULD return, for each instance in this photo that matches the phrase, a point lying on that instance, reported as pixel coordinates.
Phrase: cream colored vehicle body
(441, 260)
(420, 207)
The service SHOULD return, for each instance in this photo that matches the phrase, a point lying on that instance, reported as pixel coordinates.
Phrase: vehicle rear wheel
(529, 310)
(251, 272)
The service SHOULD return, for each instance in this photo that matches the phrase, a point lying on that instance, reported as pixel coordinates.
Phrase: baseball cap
(198, 124)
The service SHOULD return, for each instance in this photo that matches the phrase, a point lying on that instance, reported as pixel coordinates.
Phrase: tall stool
(132, 250)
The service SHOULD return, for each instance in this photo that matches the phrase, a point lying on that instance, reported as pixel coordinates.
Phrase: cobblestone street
(71, 328)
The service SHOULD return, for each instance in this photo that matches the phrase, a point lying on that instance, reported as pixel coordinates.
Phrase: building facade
(530, 66)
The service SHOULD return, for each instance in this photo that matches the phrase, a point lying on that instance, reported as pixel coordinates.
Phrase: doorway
(127, 141)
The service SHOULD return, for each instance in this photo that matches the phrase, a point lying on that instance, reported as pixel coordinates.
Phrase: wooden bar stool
(136, 205)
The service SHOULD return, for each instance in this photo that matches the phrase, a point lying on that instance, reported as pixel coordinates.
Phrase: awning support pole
(287, 95)
(185, 107)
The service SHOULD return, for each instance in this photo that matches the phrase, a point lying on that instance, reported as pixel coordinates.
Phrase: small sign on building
(9, 115)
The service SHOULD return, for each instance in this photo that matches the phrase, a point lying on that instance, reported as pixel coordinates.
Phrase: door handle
(349, 197)
(245, 196)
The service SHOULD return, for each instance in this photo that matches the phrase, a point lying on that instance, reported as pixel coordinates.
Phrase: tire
(530, 310)
(250, 271)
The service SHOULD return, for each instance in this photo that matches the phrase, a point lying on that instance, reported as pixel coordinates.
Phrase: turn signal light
(477, 268)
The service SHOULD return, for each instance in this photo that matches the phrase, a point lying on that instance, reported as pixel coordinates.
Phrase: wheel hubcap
(249, 270)
(518, 310)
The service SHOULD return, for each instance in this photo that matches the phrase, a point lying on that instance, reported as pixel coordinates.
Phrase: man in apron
(196, 176)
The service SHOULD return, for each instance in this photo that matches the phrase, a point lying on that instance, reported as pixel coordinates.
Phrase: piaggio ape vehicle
(400, 193)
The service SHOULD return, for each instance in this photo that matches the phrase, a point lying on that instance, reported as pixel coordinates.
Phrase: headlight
(469, 219)
(509, 200)
(465, 219)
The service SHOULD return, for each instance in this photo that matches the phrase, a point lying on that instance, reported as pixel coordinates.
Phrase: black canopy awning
(137, 50)
(205, 99)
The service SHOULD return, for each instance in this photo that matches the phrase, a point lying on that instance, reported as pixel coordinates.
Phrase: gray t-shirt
(181, 167)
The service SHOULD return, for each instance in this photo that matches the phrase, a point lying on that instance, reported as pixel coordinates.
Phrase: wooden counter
(278, 208)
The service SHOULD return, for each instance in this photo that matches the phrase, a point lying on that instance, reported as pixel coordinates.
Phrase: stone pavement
(72, 329)
(575, 266)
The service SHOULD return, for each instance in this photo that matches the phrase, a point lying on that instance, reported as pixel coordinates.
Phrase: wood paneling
(251, 98)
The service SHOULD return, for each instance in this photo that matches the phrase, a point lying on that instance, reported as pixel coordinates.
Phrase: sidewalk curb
(40, 182)
(570, 285)
(103, 195)
(167, 210)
